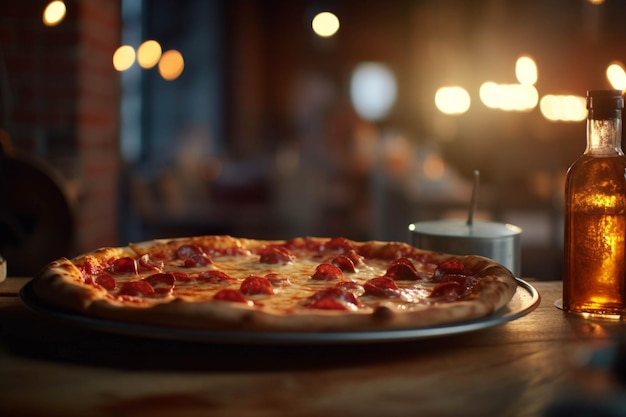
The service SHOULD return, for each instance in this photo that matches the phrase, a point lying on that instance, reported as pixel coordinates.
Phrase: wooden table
(50, 368)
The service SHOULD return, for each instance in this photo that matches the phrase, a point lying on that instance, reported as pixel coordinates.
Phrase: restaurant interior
(128, 120)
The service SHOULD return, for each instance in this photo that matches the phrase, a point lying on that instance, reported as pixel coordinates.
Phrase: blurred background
(127, 120)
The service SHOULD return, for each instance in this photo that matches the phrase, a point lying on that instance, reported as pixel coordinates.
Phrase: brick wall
(64, 103)
(97, 121)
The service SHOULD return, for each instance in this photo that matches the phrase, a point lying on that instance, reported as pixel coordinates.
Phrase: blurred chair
(36, 217)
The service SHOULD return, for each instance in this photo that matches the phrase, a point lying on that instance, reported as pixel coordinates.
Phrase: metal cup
(497, 241)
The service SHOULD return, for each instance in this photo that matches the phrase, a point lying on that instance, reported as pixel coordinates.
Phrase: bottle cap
(605, 99)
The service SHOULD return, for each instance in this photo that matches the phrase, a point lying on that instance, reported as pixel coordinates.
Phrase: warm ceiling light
(171, 65)
(452, 100)
(526, 70)
(325, 24)
(54, 13)
(616, 75)
(123, 58)
(148, 54)
(563, 108)
(509, 97)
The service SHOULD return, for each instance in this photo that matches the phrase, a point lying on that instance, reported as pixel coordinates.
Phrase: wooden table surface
(528, 367)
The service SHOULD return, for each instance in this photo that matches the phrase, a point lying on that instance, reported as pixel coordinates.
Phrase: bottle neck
(604, 135)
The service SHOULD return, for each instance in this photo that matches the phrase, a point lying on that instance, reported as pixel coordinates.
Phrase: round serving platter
(525, 300)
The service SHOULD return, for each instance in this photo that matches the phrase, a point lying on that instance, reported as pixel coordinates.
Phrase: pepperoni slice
(276, 255)
(448, 291)
(187, 251)
(107, 282)
(450, 266)
(232, 295)
(344, 263)
(327, 272)
(333, 299)
(162, 283)
(403, 272)
(405, 261)
(193, 256)
(466, 281)
(124, 265)
(355, 257)
(180, 276)
(381, 287)
(137, 289)
(340, 244)
(146, 264)
(256, 285)
(197, 260)
(215, 277)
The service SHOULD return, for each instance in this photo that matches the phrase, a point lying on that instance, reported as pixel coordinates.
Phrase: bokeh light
(509, 97)
(563, 108)
(171, 65)
(526, 70)
(148, 54)
(373, 90)
(123, 58)
(54, 13)
(616, 76)
(452, 100)
(325, 24)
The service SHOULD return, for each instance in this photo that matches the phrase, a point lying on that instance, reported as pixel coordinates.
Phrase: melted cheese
(286, 298)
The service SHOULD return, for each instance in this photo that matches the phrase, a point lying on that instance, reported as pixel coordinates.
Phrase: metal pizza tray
(525, 300)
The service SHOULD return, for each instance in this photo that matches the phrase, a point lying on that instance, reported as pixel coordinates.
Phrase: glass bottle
(594, 280)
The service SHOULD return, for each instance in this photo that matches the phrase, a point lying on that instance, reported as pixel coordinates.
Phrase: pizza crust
(61, 285)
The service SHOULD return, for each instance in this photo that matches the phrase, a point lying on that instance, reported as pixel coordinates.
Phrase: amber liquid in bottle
(594, 280)
(595, 256)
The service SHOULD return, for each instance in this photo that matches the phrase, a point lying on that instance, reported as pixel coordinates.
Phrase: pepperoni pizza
(298, 285)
